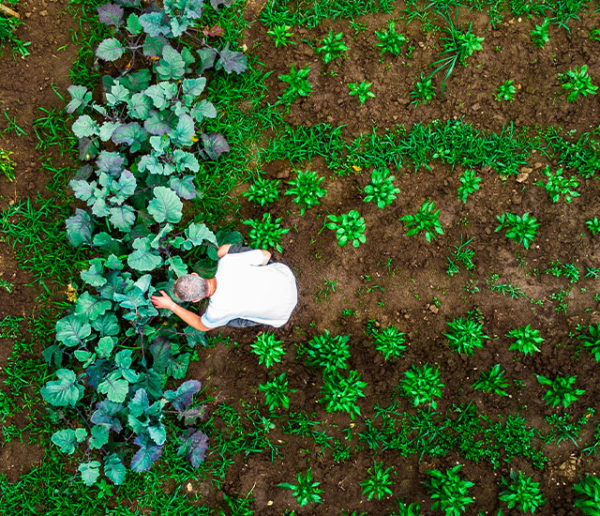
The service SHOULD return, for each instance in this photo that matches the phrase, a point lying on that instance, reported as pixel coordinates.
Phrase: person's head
(190, 287)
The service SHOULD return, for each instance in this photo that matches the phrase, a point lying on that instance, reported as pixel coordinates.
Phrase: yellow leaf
(71, 294)
(194, 138)
(355, 168)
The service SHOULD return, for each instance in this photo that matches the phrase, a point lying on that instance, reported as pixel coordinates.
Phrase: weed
(7, 166)
(506, 289)
(449, 491)
(521, 229)
(326, 351)
(563, 428)
(421, 385)
(324, 290)
(268, 349)
(388, 341)
(469, 183)
(424, 91)
(390, 41)
(426, 219)
(263, 191)
(521, 491)
(561, 390)
(307, 189)
(341, 393)
(362, 90)
(378, 481)
(539, 35)
(276, 392)
(306, 491)
(348, 227)
(577, 82)
(465, 335)
(266, 232)
(558, 185)
(281, 35)
(526, 340)
(381, 189)
(506, 91)
(462, 253)
(492, 381)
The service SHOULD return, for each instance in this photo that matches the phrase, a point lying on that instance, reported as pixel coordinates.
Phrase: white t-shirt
(246, 289)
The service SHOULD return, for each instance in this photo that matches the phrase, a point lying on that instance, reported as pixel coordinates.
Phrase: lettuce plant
(281, 35)
(521, 491)
(341, 393)
(381, 189)
(348, 227)
(577, 82)
(424, 91)
(589, 487)
(526, 340)
(306, 491)
(388, 341)
(465, 335)
(469, 183)
(268, 349)
(558, 185)
(593, 225)
(378, 481)
(539, 35)
(332, 47)
(591, 340)
(266, 232)
(492, 381)
(298, 83)
(362, 90)
(276, 392)
(426, 219)
(389, 40)
(561, 390)
(263, 191)
(307, 189)
(326, 351)
(449, 491)
(521, 229)
(421, 385)
(506, 91)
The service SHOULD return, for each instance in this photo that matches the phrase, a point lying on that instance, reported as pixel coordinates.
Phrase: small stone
(269, 503)
(44, 13)
(475, 106)
(433, 309)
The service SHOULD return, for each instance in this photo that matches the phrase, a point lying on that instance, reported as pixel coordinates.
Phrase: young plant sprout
(306, 491)
(589, 487)
(381, 189)
(526, 340)
(348, 227)
(424, 91)
(577, 82)
(281, 35)
(522, 492)
(276, 392)
(422, 384)
(307, 189)
(332, 47)
(389, 341)
(326, 351)
(506, 91)
(407, 509)
(539, 35)
(558, 185)
(266, 232)
(465, 335)
(521, 229)
(462, 253)
(341, 393)
(593, 225)
(561, 390)
(268, 349)
(378, 481)
(298, 84)
(7, 166)
(469, 183)
(426, 219)
(492, 381)
(449, 491)
(263, 191)
(363, 90)
(390, 41)
(591, 340)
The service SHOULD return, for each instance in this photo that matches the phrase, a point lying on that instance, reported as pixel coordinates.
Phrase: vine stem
(9, 11)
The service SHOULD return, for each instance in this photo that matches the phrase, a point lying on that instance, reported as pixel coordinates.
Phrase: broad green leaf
(143, 259)
(114, 469)
(134, 299)
(124, 187)
(105, 347)
(185, 161)
(231, 61)
(110, 49)
(171, 66)
(151, 163)
(157, 95)
(65, 440)
(80, 434)
(94, 275)
(91, 306)
(116, 389)
(134, 27)
(122, 217)
(84, 356)
(137, 81)
(106, 325)
(63, 392)
(195, 337)
(90, 471)
(182, 398)
(72, 330)
(146, 455)
(85, 126)
(139, 404)
(110, 162)
(203, 109)
(178, 367)
(194, 86)
(99, 436)
(184, 187)
(139, 106)
(161, 354)
(118, 94)
(166, 206)
(155, 243)
(153, 46)
(123, 362)
(158, 434)
(154, 23)
(198, 234)
(177, 265)
(99, 208)
(207, 58)
(152, 382)
(80, 97)
(215, 144)
(144, 282)
(157, 123)
(106, 414)
(132, 134)
(183, 133)
(82, 189)
(114, 263)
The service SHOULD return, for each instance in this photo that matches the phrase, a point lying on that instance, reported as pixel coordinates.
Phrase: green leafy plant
(591, 340)
(307, 189)
(332, 47)
(426, 219)
(341, 393)
(348, 227)
(266, 232)
(424, 91)
(539, 35)
(561, 390)
(407, 509)
(276, 392)
(558, 185)
(595, 34)
(390, 41)
(268, 349)
(298, 83)
(363, 90)
(469, 183)
(577, 82)
(506, 91)
(465, 335)
(281, 35)
(521, 491)
(306, 491)
(378, 481)
(526, 339)
(327, 351)
(388, 341)
(593, 225)
(589, 487)
(492, 381)
(462, 253)
(7, 166)
(521, 229)
(422, 385)
(449, 491)
(381, 189)
(263, 191)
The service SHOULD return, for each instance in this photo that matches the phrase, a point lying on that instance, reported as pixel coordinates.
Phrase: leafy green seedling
(332, 47)
(388, 341)
(276, 392)
(465, 335)
(558, 185)
(298, 83)
(281, 35)
(7, 166)
(469, 183)
(492, 381)
(348, 227)
(561, 390)
(506, 91)
(266, 232)
(390, 41)
(449, 491)
(589, 487)
(539, 35)
(268, 349)
(378, 481)
(462, 253)
(521, 229)
(421, 385)
(307, 189)
(263, 191)
(526, 340)
(591, 340)
(521, 491)
(306, 491)
(363, 90)
(424, 91)
(327, 351)
(381, 189)
(593, 225)
(426, 219)
(341, 393)
(577, 82)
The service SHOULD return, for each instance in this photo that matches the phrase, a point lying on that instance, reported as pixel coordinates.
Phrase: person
(247, 290)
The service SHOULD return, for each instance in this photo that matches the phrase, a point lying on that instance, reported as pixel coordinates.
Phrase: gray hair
(190, 287)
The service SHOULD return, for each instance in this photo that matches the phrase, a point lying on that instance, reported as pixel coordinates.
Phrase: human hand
(163, 301)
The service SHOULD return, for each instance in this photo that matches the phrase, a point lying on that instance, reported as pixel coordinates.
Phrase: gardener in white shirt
(246, 291)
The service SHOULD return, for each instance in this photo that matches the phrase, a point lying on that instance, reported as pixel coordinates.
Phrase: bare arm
(190, 318)
(224, 249)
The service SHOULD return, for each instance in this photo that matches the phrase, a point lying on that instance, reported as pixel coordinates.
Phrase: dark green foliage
(421, 385)
(492, 381)
(521, 491)
(426, 219)
(307, 189)
(589, 487)
(378, 481)
(381, 189)
(593, 225)
(449, 491)
(326, 351)
(276, 392)
(348, 227)
(341, 393)
(526, 339)
(263, 191)
(266, 232)
(521, 229)
(564, 428)
(577, 82)
(561, 390)
(268, 349)
(558, 185)
(465, 335)
(332, 47)
(306, 491)
(404, 509)
(389, 40)
(7, 166)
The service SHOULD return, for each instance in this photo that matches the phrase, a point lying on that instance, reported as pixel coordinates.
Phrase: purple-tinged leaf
(215, 144)
(110, 162)
(215, 4)
(207, 58)
(195, 444)
(231, 61)
(96, 372)
(110, 14)
(79, 228)
(88, 148)
(183, 187)
(191, 415)
(181, 399)
(106, 414)
(146, 455)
